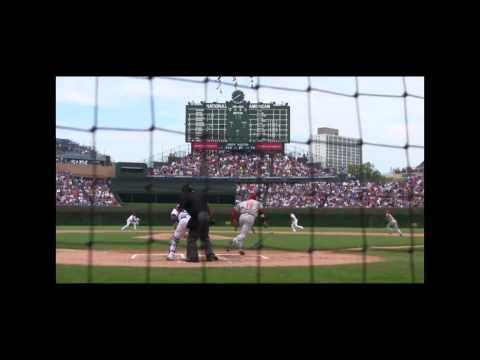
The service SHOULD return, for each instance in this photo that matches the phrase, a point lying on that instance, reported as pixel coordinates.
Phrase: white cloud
(126, 102)
(75, 90)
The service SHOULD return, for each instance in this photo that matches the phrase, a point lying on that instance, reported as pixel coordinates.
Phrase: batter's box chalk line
(183, 257)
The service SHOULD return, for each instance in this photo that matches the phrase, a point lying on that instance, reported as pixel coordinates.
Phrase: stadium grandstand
(75, 184)
(239, 165)
(77, 188)
(342, 194)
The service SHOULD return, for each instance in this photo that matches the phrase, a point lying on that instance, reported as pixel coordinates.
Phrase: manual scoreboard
(237, 124)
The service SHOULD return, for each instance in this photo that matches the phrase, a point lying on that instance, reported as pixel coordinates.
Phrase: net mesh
(221, 83)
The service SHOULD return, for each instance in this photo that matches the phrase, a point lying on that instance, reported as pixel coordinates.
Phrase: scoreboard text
(237, 122)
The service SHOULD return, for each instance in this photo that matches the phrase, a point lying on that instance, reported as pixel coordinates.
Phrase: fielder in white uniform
(246, 211)
(294, 222)
(180, 219)
(392, 224)
(132, 220)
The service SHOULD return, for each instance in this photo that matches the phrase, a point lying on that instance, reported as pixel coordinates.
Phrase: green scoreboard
(237, 124)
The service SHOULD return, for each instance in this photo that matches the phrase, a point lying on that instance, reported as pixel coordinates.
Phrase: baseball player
(233, 215)
(180, 219)
(132, 220)
(245, 214)
(263, 223)
(174, 216)
(235, 224)
(392, 224)
(294, 222)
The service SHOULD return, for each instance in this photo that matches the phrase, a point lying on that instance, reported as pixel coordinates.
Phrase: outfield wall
(276, 217)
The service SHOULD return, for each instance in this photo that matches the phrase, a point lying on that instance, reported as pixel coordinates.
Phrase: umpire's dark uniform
(196, 205)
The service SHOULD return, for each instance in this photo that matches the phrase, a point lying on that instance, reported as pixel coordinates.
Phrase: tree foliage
(366, 172)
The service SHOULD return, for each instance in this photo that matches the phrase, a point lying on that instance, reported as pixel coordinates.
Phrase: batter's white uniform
(248, 211)
(392, 224)
(132, 220)
(294, 221)
(180, 231)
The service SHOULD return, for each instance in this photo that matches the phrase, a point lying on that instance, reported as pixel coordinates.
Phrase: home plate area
(270, 258)
(181, 257)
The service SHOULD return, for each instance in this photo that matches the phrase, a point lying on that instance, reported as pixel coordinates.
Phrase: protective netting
(256, 84)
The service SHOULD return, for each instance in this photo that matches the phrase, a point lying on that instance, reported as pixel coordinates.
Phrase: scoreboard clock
(237, 122)
(238, 96)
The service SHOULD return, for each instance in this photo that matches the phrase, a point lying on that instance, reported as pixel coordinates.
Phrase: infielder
(392, 224)
(132, 220)
(180, 219)
(294, 223)
(245, 213)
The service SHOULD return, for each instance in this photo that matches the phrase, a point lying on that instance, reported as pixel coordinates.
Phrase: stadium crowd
(240, 165)
(397, 194)
(78, 191)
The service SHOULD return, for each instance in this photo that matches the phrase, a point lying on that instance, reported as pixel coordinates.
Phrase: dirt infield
(168, 236)
(270, 258)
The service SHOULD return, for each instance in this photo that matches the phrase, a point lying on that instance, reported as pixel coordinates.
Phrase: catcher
(180, 219)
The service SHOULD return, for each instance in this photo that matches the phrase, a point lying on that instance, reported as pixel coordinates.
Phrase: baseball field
(313, 255)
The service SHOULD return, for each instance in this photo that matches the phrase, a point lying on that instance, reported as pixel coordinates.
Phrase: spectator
(76, 191)
(240, 165)
(398, 194)
(349, 193)
(80, 191)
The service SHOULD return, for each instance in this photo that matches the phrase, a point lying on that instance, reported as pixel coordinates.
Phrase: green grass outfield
(395, 269)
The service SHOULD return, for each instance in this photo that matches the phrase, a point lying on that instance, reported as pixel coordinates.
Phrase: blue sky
(125, 102)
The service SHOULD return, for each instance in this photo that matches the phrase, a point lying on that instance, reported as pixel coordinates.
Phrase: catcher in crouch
(245, 214)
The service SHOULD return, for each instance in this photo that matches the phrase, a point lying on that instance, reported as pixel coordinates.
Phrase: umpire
(196, 205)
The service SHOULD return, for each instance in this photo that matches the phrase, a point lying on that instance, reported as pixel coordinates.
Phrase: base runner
(233, 215)
(392, 224)
(245, 214)
(263, 224)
